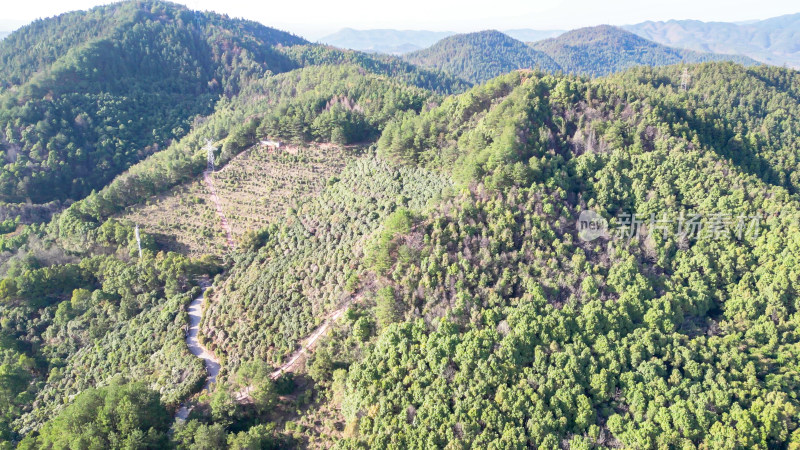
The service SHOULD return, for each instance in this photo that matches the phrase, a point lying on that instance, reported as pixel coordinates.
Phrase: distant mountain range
(392, 42)
(398, 42)
(606, 49)
(601, 50)
(773, 41)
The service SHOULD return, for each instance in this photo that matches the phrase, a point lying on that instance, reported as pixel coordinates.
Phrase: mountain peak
(480, 55)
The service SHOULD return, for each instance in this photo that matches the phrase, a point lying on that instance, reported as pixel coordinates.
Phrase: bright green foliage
(519, 334)
(395, 68)
(118, 416)
(386, 309)
(338, 105)
(258, 437)
(194, 435)
(385, 247)
(254, 377)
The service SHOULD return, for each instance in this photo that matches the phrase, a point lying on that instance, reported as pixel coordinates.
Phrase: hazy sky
(315, 18)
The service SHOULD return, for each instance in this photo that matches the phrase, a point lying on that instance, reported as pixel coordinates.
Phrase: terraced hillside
(310, 263)
(255, 189)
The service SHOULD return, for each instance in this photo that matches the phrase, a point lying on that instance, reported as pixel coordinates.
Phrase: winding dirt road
(308, 345)
(197, 349)
(197, 306)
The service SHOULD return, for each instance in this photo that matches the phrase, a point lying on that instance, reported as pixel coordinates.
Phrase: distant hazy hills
(773, 41)
(384, 41)
(605, 49)
(4, 34)
(601, 50)
(397, 42)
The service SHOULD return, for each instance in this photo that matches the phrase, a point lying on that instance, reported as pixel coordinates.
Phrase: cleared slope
(255, 189)
(277, 295)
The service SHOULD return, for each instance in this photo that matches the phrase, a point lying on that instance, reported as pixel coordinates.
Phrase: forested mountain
(477, 57)
(605, 49)
(87, 94)
(497, 325)
(771, 41)
(434, 80)
(592, 51)
(411, 267)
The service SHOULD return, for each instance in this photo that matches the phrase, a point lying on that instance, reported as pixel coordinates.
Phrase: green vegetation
(73, 321)
(302, 271)
(306, 55)
(432, 236)
(605, 49)
(478, 57)
(87, 94)
(255, 189)
(601, 50)
(309, 98)
(115, 417)
(656, 341)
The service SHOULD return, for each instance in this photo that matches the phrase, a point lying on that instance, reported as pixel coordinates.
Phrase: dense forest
(87, 94)
(421, 276)
(480, 56)
(593, 51)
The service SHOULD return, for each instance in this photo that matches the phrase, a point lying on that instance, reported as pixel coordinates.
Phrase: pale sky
(315, 18)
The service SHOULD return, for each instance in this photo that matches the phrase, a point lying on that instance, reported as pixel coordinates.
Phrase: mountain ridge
(399, 42)
(593, 51)
(130, 77)
(772, 41)
(480, 56)
(606, 49)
